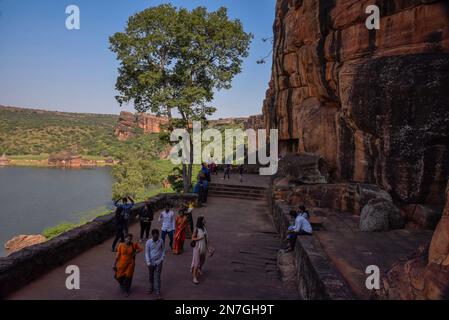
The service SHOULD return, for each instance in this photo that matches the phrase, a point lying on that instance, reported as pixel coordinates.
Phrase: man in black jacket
(145, 218)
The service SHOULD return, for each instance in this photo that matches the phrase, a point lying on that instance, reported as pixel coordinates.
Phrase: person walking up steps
(227, 172)
(154, 257)
(241, 171)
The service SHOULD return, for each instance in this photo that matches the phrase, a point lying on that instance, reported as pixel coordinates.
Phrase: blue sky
(44, 65)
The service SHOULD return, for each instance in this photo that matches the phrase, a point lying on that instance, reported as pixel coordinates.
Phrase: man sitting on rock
(301, 227)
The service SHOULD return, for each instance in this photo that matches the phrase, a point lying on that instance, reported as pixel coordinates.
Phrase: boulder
(346, 197)
(380, 215)
(23, 241)
(303, 169)
(422, 216)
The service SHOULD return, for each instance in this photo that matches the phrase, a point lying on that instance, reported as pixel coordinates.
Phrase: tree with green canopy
(173, 59)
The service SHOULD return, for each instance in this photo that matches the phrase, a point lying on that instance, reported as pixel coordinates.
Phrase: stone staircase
(236, 191)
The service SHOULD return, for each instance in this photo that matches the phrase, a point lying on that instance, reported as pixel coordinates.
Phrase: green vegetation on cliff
(36, 132)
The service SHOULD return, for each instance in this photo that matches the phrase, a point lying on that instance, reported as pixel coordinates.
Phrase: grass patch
(39, 157)
(55, 231)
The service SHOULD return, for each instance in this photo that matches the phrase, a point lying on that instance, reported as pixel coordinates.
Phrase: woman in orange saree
(182, 224)
(125, 263)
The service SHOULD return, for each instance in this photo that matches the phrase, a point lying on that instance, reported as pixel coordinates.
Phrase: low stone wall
(343, 197)
(22, 267)
(317, 277)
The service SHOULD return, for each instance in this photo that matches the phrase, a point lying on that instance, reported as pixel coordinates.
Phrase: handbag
(193, 243)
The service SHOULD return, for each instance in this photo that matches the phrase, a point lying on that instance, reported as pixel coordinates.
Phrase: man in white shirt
(303, 212)
(301, 227)
(154, 257)
(168, 224)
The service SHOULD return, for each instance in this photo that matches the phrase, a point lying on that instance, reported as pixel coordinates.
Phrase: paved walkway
(243, 267)
(253, 180)
(352, 251)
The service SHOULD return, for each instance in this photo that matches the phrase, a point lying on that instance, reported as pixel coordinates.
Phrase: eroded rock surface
(129, 124)
(23, 241)
(374, 104)
(380, 215)
(303, 169)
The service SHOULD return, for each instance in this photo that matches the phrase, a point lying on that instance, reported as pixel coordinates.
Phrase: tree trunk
(185, 179)
(187, 171)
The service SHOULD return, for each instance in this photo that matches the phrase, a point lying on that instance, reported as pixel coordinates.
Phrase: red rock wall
(129, 122)
(254, 122)
(374, 103)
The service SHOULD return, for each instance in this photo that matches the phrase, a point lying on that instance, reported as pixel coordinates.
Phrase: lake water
(32, 199)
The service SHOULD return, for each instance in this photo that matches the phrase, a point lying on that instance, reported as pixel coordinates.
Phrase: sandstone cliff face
(129, 123)
(375, 103)
(254, 122)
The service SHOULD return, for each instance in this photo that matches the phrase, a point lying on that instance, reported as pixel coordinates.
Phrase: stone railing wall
(317, 277)
(22, 267)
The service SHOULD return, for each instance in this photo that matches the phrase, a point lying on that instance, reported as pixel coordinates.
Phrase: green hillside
(35, 132)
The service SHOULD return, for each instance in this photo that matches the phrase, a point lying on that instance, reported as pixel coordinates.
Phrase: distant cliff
(129, 124)
(33, 132)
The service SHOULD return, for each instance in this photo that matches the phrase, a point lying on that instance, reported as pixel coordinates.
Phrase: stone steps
(237, 186)
(237, 191)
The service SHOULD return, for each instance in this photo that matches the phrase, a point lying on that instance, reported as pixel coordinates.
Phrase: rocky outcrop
(129, 124)
(303, 179)
(374, 104)
(380, 215)
(66, 159)
(303, 169)
(227, 122)
(254, 122)
(23, 241)
(426, 274)
(421, 216)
